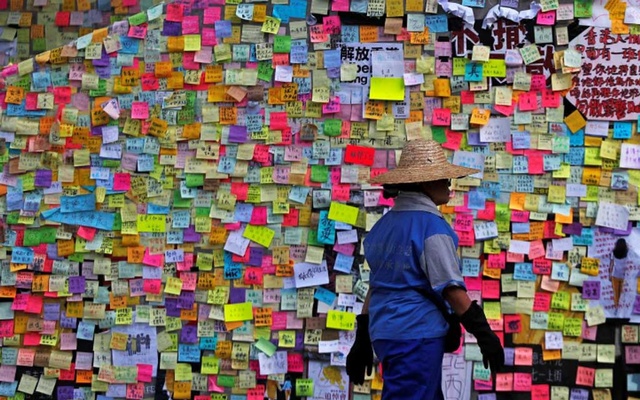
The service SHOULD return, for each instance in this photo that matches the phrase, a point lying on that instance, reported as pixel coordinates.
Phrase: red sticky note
(490, 289)
(175, 12)
(152, 286)
(361, 155)
(34, 306)
(512, 323)
(63, 18)
(585, 376)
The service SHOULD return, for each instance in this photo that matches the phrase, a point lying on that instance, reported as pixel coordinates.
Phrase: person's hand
(475, 322)
(360, 358)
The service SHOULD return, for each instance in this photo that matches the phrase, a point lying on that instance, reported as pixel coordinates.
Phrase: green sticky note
(226, 381)
(266, 347)
(76, 257)
(556, 321)
(282, 44)
(312, 238)
(202, 212)
(438, 134)
(332, 127)
(31, 237)
(117, 223)
(48, 234)
(12, 217)
(304, 387)
(319, 173)
(179, 202)
(138, 19)
(194, 180)
(459, 64)
(265, 71)
(387, 89)
(582, 8)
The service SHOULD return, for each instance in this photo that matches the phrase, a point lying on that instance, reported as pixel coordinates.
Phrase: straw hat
(422, 161)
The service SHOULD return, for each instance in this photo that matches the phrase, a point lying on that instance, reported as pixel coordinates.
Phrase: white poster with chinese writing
(330, 382)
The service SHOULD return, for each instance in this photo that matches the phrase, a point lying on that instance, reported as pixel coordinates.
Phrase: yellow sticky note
(152, 223)
(492, 309)
(342, 320)
(192, 43)
(238, 312)
(343, 213)
(387, 89)
(259, 234)
(575, 121)
(174, 286)
(271, 25)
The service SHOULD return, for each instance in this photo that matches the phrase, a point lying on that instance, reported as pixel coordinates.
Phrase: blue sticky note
(622, 130)
(577, 138)
(521, 140)
(326, 229)
(350, 34)
(437, 23)
(332, 59)
(324, 295)
(476, 200)
(473, 72)
(575, 156)
(523, 272)
(71, 204)
(22, 255)
(520, 227)
(297, 9)
(129, 45)
(343, 263)
(470, 267)
(282, 12)
(223, 28)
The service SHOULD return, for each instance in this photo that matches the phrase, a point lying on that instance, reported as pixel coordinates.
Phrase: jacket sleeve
(440, 262)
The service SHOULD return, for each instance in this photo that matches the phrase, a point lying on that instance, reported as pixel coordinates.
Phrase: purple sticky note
(103, 61)
(255, 256)
(509, 355)
(636, 305)
(171, 305)
(77, 284)
(579, 394)
(66, 322)
(43, 178)
(237, 295)
(572, 229)
(65, 392)
(299, 341)
(190, 235)
(189, 334)
(51, 311)
(591, 290)
(237, 134)
(186, 300)
(171, 28)
(103, 71)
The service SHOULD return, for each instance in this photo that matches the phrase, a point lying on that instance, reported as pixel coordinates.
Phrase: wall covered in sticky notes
(184, 191)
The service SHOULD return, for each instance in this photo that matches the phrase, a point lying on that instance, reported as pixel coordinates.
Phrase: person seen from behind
(411, 249)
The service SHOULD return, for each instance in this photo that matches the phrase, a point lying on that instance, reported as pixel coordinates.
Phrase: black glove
(360, 357)
(476, 323)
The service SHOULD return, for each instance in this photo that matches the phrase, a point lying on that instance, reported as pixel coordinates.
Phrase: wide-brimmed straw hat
(422, 161)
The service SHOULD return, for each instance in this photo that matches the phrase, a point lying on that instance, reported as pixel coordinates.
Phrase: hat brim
(417, 175)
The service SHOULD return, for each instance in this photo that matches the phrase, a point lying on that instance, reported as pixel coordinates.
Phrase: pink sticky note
(154, 260)
(504, 382)
(546, 18)
(521, 382)
(139, 110)
(523, 356)
(121, 181)
(87, 233)
(441, 117)
(145, 372)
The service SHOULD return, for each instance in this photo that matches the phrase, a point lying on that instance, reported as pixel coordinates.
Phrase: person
(618, 267)
(409, 250)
